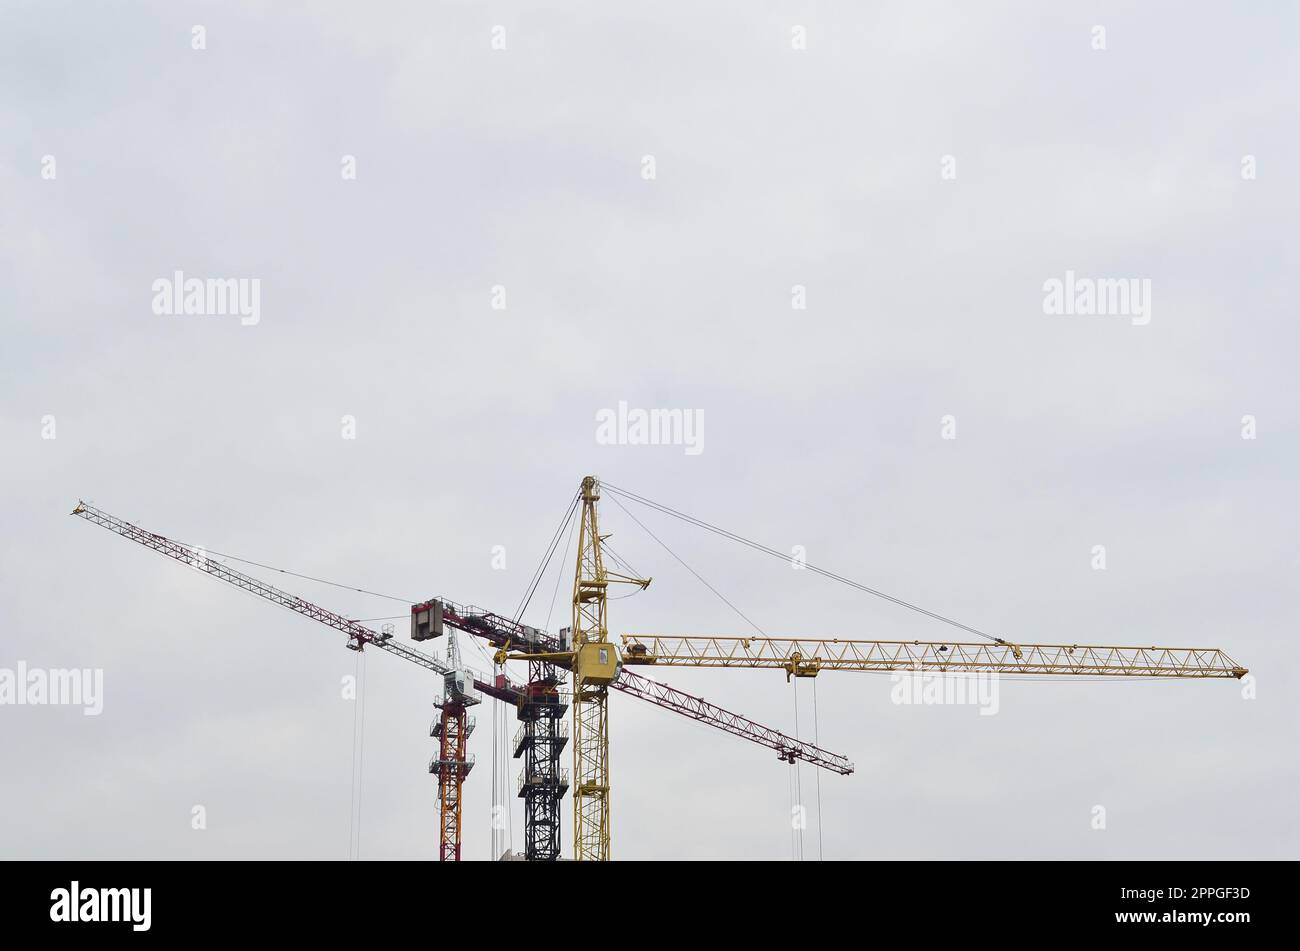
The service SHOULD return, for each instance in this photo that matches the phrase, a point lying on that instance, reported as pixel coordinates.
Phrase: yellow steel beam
(591, 832)
(805, 657)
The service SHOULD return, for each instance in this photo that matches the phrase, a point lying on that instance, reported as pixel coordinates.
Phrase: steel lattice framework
(540, 744)
(787, 748)
(452, 766)
(358, 634)
(806, 656)
(590, 700)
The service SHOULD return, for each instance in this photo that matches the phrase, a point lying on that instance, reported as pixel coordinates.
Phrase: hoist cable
(546, 560)
(698, 576)
(817, 742)
(559, 573)
(699, 523)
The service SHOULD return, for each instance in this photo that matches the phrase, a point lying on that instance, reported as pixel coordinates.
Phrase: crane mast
(593, 671)
(452, 763)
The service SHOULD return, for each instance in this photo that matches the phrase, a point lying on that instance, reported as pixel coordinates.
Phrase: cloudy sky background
(775, 167)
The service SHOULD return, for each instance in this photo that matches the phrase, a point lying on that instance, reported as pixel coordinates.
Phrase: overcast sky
(921, 170)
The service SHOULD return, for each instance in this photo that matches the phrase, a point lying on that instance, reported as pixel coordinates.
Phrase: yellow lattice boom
(805, 657)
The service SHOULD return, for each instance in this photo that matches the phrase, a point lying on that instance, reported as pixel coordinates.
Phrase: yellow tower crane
(595, 667)
(596, 661)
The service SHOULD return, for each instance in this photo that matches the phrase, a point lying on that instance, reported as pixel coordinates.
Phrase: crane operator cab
(597, 663)
(458, 687)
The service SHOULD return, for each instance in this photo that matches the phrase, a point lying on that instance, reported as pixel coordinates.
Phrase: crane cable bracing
(559, 575)
(698, 577)
(817, 738)
(207, 553)
(700, 523)
(546, 560)
(796, 791)
(795, 787)
(353, 849)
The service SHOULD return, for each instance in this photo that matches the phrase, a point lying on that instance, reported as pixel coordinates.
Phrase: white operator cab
(458, 687)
